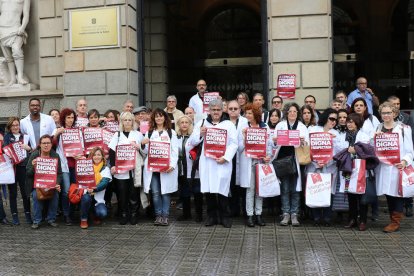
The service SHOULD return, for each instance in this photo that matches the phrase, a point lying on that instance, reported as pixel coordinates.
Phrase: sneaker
(164, 221)
(35, 226)
(295, 221)
(286, 219)
(158, 220)
(15, 220)
(52, 223)
(84, 224)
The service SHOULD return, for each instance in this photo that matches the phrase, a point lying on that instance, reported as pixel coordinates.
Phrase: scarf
(351, 137)
(97, 170)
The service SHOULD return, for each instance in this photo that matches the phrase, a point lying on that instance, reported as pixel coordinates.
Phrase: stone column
(300, 42)
(105, 77)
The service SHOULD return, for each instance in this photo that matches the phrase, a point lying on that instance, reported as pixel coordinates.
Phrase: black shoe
(68, 221)
(199, 218)
(327, 223)
(5, 221)
(250, 221)
(409, 211)
(226, 222)
(260, 221)
(317, 222)
(211, 221)
(124, 219)
(133, 220)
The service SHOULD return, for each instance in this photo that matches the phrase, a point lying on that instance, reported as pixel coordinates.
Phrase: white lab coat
(303, 132)
(133, 136)
(215, 178)
(242, 123)
(387, 176)
(245, 168)
(169, 181)
(369, 127)
(47, 126)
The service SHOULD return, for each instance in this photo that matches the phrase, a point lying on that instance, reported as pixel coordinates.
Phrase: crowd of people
(227, 183)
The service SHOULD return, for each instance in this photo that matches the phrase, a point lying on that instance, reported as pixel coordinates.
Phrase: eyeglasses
(386, 113)
(332, 119)
(215, 110)
(360, 83)
(170, 101)
(233, 108)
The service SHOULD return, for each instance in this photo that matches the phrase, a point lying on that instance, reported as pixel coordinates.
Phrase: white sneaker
(285, 220)
(295, 221)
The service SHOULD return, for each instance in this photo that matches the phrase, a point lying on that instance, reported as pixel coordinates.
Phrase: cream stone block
(8, 109)
(157, 8)
(285, 28)
(60, 83)
(85, 83)
(124, 36)
(286, 68)
(132, 3)
(159, 92)
(115, 2)
(74, 61)
(316, 74)
(59, 46)
(133, 60)
(159, 74)
(50, 27)
(49, 104)
(48, 84)
(315, 26)
(158, 58)
(106, 59)
(158, 42)
(59, 7)
(131, 17)
(73, 4)
(299, 7)
(117, 82)
(66, 40)
(133, 83)
(132, 39)
(51, 66)
(158, 25)
(47, 47)
(105, 102)
(47, 8)
(301, 50)
(122, 12)
(66, 20)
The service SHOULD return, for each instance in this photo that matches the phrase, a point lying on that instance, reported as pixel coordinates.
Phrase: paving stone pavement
(188, 248)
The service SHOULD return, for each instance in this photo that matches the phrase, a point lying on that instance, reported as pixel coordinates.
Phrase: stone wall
(300, 42)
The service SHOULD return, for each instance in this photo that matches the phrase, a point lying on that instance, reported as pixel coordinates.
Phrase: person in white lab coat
(215, 173)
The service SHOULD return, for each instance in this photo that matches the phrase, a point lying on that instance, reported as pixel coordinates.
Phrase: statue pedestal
(18, 88)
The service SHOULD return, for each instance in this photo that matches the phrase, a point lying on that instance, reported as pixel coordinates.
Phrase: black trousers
(128, 197)
(217, 206)
(356, 207)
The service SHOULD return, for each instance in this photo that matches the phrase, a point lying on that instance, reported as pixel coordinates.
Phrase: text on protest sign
(321, 147)
(81, 122)
(92, 137)
(125, 158)
(16, 152)
(158, 156)
(255, 142)
(207, 98)
(71, 142)
(288, 138)
(85, 175)
(387, 148)
(46, 173)
(286, 86)
(215, 142)
(112, 126)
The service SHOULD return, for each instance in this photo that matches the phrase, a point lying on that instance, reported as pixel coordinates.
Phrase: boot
(15, 220)
(250, 221)
(395, 222)
(260, 221)
(123, 219)
(28, 216)
(186, 201)
(198, 202)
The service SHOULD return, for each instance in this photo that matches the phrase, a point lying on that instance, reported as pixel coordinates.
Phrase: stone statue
(14, 16)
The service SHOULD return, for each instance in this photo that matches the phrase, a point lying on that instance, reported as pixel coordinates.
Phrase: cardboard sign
(255, 142)
(387, 148)
(92, 137)
(71, 142)
(81, 122)
(46, 172)
(85, 176)
(215, 142)
(158, 156)
(125, 158)
(144, 127)
(16, 152)
(286, 86)
(288, 138)
(112, 126)
(321, 147)
(207, 98)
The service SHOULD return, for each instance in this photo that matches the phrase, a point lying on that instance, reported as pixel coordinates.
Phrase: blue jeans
(288, 195)
(161, 202)
(65, 184)
(38, 208)
(2, 212)
(86, 201)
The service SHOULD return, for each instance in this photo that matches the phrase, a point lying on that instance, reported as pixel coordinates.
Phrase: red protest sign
(143, 127)
(288, 138)
(286, 86)
(92, 137)
(387, 148)
(207, 98)
(112, 126)
(85, 176)
(71, 142)
(81, 122)
(125, 158)
(321, 147)
(255, 142)
(107, 137)
(215, 142)
(158, 156)
(45, 172)
(16, 152)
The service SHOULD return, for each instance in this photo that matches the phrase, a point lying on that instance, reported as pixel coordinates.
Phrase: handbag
(303, 154)
(44, 194)
(370, 195)
(75, 194)
(285, 166)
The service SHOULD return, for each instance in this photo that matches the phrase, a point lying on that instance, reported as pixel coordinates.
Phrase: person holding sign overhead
(291, 184)
(253, 135)
(124, 148)
(44, 150)
(161, 175)
(388, 171)
(219, 137)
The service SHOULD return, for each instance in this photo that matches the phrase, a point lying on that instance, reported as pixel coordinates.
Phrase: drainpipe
(265, 49)
(141, 52)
